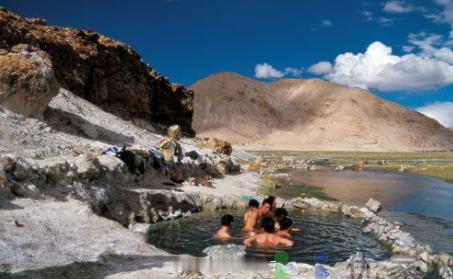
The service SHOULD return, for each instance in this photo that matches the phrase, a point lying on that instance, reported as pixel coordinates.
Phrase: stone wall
(106, 184)
(425, 262)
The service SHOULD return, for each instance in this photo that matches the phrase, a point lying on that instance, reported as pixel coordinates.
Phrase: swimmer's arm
(249, 241)
(286, 242)
(296, 229)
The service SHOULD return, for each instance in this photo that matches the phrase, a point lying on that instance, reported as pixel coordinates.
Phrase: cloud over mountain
(441, 111)
(267, 71)
(378, 68)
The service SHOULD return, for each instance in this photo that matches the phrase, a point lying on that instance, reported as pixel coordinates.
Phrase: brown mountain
(297, 114)
(103, 71)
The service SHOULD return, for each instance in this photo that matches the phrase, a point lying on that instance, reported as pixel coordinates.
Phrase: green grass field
(364, 155)
(433, 164)
(272, 186)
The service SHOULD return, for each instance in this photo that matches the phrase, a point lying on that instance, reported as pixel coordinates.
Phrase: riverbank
(433, 164)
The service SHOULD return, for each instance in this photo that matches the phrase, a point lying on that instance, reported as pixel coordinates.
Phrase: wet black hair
(271, 199)
(281, 212)
(268, 225)
(266, 200)
(286, 223)
(226, 220)
(254, 203)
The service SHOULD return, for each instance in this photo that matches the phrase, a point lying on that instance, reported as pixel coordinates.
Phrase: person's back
(268, 238)
(224, 232)
(286, 225)
(251, 216)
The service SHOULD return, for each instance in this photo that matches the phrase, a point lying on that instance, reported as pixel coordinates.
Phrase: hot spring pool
(333, 236)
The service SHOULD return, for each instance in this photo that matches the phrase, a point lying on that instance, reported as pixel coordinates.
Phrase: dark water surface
(423, 204)
(332, 235)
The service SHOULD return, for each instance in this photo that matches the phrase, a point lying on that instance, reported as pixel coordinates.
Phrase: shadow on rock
(75, 125)
(6, 204)
(107, 265)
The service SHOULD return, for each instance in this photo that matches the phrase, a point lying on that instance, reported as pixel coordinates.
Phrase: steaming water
(331, 235)
(423, 204)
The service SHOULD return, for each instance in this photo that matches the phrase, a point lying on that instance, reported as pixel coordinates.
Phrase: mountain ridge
(309, 114)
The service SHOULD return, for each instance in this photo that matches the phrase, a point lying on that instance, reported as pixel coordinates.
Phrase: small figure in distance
(251, 216)
(286, 226)
(224, 232)
(268, 238)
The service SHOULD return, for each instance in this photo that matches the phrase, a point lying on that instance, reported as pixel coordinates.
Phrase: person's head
(280, 213)
(272, 201)
(286, 224)
(254, 203)
(268, 225)
(226, 220)
(266, 205)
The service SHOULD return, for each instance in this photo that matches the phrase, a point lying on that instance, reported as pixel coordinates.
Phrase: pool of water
(334, 236)
(423, 204)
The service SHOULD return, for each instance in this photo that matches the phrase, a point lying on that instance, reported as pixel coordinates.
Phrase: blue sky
(187, 40)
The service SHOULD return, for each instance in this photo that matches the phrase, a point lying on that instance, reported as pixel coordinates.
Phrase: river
(424, 205)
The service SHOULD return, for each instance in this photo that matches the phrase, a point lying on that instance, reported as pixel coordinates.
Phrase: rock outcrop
(220, 146)
(105, 72)
(27, 81)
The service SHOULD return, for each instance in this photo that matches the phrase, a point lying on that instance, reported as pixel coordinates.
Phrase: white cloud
(408, 48)
(326, 23)
(432, 45)
(377, 68)
(446, 15)
(368, 16)
(367, 13)
(436, 18)
(267, 71)
(385, 21)
(320, 68)
(397, 7)
(441, 111)
(293, 71)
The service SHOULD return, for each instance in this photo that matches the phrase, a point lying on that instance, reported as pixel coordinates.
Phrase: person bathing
(268, 238)
(264, 212)
(286, 226)
(279, 214)
(224, 232)
(251, 216)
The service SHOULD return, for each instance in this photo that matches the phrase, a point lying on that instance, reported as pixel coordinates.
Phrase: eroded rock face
(105, 72)
(27, 81)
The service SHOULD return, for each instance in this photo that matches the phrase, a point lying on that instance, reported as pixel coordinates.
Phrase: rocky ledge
(103, 71)
(420, 261)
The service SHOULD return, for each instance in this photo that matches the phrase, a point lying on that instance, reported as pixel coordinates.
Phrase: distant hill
(311, 114)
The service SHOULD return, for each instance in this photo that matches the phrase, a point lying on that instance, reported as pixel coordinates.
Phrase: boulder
(351, 211)
(27, 81)
(220, 146)
(374, 205)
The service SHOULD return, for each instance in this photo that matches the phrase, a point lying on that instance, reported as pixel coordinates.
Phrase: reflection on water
(423, 204)
(336, 236)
